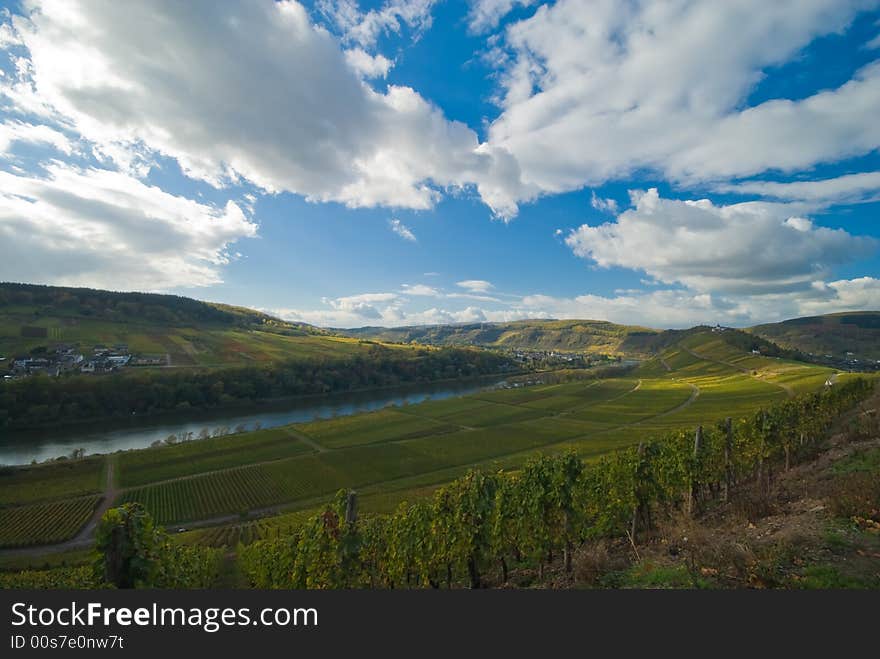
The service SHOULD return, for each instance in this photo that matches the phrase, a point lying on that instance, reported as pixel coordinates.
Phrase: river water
(24, 447)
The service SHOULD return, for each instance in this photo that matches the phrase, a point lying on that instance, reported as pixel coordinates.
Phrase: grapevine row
(45, 523)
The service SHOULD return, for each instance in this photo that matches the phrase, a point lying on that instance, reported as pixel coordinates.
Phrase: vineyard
(425, 445)
(232, 491)
(45, 523)
(67, 478)
(501, 428)
(194, 457)
(489, 520)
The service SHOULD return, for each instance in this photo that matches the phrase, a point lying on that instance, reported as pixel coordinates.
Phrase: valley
(247, 485)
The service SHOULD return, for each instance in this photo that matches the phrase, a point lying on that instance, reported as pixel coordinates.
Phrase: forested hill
(594, 336)
(153, 308)
(834, 334)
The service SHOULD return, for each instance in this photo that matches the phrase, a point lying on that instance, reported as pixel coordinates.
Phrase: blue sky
(662, 163)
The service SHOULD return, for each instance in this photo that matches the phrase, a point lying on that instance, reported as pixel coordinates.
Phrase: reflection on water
(24, 447)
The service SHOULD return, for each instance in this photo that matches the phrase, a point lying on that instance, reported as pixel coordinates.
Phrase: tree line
(38, 401)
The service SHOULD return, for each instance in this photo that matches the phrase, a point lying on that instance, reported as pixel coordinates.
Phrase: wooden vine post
(640, 514)
(693, 490)
(351, 509)
(728, 459)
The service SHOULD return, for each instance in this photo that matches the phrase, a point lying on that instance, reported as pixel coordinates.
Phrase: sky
(400, 162)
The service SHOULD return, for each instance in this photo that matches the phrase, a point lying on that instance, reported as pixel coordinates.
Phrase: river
(26, 446)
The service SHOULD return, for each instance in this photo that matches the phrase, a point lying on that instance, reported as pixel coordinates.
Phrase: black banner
(142, 623)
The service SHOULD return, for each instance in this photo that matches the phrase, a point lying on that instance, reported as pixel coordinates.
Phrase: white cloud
(742, 248)
(18, 131)
(659, 308)
(93, 227)
(369, 66)
(8, 36)
(401, 230)
(475, 285)
(604, 205)
(421, 290)
(248, 90)
(398, 315)
(849, 188)
(365, 27)
(589, 92)
(873, 43)
(683, 308)
(596, 91)
(485, 15)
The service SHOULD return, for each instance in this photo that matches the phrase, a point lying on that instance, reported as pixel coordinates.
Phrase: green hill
(834, 334)
(592, 336)
(181, 331)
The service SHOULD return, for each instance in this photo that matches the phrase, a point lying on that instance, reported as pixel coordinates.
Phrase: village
(67, 358)
(535, 358)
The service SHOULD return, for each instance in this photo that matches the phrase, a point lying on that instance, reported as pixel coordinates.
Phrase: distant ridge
(847, 335)
(856, 332)
(593, 336)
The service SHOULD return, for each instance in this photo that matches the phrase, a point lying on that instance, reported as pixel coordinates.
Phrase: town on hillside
(69, 358)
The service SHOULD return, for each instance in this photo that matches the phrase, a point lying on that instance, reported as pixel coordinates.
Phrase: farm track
(742, 369)
(305, 439)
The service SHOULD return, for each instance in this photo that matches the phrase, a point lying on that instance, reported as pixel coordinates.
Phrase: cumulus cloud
(593, 92)
(666, 307)
(93, 227)
(475, 285)
(369, 66)
(397, 316)
(401, 230)
(676, 308)
(248, 90)
(580, 96)
(753, 247)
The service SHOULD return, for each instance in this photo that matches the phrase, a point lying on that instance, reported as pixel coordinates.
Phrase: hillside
(592, 336)
(834, 334)
(174, 331)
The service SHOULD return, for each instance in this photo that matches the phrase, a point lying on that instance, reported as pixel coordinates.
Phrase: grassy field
(405, 452)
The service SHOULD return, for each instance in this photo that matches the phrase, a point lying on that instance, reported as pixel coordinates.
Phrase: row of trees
(486, 520)
(44, 401)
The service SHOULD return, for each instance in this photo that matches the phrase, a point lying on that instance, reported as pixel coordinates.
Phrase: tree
(127, 539)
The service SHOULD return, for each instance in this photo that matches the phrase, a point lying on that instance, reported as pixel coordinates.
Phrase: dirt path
(665, 364)
(110, 494)
(742, 369)
(308, 441)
